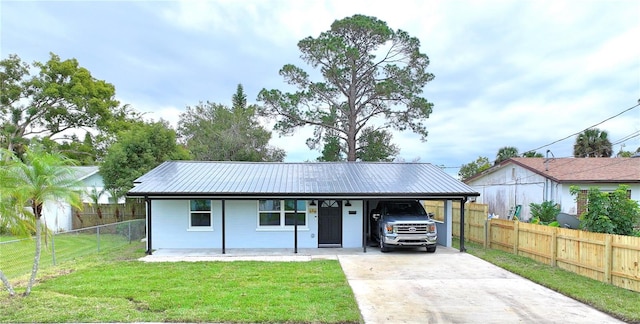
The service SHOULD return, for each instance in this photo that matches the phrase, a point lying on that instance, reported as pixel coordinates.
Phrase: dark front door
(329, 223)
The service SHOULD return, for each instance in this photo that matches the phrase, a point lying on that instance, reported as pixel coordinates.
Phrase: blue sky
(507, 73)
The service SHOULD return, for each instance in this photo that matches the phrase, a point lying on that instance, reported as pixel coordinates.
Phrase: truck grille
(412, 228)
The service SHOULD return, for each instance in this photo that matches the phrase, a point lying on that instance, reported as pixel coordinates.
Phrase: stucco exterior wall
(242, 229)
(170, 227)
(352, 224)
(57, 216)
(508, 187)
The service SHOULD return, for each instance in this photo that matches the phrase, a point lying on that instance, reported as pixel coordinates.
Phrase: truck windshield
(404, 208)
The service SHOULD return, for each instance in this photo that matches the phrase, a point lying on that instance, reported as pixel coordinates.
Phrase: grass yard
(16, 258)
(621, 303)
(100, 289)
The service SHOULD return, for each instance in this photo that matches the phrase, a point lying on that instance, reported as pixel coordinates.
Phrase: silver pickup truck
(403, 224)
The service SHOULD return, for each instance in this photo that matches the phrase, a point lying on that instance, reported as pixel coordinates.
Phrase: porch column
(365, 220)
(295, 226)
(223, 227)
(149, 245)
(462, 201)
(448, 225)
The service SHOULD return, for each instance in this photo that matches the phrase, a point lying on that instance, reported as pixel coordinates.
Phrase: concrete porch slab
(281, 255)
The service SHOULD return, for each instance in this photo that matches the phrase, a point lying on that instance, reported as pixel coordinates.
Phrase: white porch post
(448, 223)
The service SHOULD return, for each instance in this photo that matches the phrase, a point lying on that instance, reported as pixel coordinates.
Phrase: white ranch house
(219, 205)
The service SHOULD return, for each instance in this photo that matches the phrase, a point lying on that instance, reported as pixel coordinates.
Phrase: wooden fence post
(554, 247)
(467, 224)
(515, 237)
(487, 232)
(608, 259)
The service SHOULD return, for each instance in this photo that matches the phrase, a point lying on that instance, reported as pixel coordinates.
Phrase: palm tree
(592, 143)
(94, 194)
(532, 154)
(115, 194)
(506, 153)
(41, 177)
(14, 216)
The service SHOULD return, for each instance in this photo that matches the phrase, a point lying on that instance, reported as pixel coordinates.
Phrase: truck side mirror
(375, 214)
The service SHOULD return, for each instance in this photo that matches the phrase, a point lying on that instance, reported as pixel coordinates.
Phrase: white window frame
(283, 212)
(192, 228)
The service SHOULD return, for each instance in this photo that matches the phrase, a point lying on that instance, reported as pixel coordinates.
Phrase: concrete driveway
(412, 286)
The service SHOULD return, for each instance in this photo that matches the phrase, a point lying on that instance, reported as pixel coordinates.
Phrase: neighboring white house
(281, 205)
(57, 215)
(521, 181)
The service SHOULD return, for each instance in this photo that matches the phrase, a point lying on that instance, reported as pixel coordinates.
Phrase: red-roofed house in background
(521, 181)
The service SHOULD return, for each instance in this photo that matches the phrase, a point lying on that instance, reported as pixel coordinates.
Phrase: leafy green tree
(623, 153)
(370, 72)
(625, 212)
(332, 150)
(84, 152)
(136, 152)
(374, 145)
(532, 154)
(592, 143)
(214, 132)
(505, 153)
(40, 177)
(472, 168)
(62, 96)
(609, 212)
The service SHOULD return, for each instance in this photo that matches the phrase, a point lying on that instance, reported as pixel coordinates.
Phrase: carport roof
(310, 180)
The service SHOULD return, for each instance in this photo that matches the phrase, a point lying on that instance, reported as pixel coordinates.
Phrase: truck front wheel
(431, 248)
(383, 247)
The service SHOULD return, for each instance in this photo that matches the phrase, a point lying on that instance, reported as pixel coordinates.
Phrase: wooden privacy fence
(475, 216)
(88, 216)
(608, 258)
(613, 259)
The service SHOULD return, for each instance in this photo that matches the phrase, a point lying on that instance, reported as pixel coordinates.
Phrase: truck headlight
(389, 228)
(431, 228)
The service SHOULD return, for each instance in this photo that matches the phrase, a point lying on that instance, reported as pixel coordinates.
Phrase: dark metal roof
(313, 180)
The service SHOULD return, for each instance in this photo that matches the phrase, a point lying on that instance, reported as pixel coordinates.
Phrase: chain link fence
(16, 255)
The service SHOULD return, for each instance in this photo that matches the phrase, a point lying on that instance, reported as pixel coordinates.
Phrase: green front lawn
(132, 291)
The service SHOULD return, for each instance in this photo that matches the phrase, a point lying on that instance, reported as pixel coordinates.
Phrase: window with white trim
(200, 215)
(273, 213)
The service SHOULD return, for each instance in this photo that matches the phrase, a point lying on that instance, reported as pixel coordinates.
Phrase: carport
(235, 195)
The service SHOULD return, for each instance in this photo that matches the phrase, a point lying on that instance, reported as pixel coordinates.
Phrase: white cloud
(517, 73)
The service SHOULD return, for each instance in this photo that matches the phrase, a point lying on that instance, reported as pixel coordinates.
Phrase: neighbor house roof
(83, 172)
(312, 180)
(579, 170)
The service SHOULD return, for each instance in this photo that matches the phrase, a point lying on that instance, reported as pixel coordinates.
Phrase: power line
(622, 140)
(592, 126)
(626, 138)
